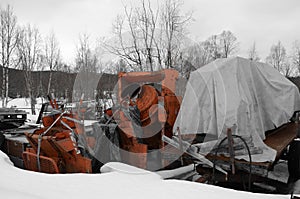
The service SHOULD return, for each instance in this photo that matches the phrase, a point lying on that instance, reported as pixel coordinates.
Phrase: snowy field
(117, 181)
(24, 104)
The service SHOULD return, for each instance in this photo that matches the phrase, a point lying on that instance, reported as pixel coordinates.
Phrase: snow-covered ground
(117, 181)
(24, 104)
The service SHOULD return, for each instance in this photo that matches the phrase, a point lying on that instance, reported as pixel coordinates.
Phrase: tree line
(23, 47)
(145, 37)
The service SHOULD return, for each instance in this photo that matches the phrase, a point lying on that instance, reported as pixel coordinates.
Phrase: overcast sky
(262, 21)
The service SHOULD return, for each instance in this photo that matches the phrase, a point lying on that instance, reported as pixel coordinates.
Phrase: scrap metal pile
(58, 147)
(146, 109)
(237, 117)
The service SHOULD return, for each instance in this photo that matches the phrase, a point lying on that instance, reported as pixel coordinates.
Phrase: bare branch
(9, 36)
(30, 53)
(253, 55)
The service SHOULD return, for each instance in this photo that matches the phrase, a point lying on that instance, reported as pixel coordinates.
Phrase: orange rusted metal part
(108, 112)
(169, 82)
(137, 77)
(153, 94)
(54, 149)
(47, 120)
(172, 106)
(48, 165)
(148, 97)
(138, 151)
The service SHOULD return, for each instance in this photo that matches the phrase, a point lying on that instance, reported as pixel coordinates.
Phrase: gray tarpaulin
(250, 97)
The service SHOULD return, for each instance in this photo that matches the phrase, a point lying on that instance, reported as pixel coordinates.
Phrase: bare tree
(86, 63)
(29, 52)
(174, 25)
(206, 53)
(149, 39)
(288, 70)
(126, 45)
(228, 43)
(216, 46)
(279, 60)
(9, 35)
(198, 55)
(52, 56)
(147, 25)
(64, 68)
(277, 57)
(100, 54)
(135, 33)
(252, 53)
(220, 46)
(85, 59)
(211, 45)
(296, 55)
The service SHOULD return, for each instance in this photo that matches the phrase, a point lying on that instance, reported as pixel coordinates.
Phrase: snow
(117, 181)
(24, 104)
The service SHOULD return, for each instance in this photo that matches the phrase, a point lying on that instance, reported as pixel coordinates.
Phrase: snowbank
(117, 181)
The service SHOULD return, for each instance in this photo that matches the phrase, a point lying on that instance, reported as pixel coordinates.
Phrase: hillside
(62, 83)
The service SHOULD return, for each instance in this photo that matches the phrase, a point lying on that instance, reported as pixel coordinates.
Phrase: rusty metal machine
(149, 110)
(54, 148)
(146, 110)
